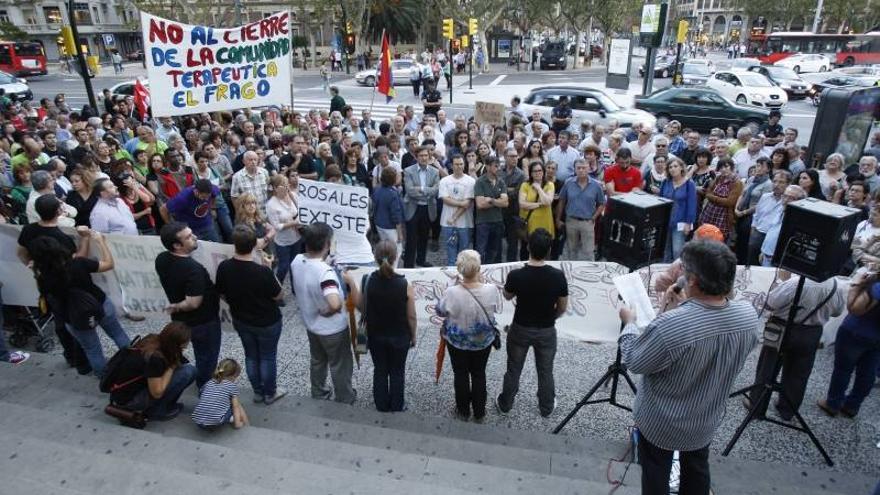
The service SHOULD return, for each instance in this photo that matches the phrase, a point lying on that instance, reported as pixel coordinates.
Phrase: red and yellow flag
(386, 79)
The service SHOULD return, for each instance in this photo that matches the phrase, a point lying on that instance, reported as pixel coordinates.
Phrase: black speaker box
(635, 230)
(815, 238)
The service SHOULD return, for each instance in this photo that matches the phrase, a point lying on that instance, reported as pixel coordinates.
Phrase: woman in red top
(721, 198)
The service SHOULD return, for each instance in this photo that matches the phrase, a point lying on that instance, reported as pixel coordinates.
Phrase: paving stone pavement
(850, 442)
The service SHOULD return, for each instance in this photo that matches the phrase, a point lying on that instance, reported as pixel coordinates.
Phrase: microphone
(679, 285)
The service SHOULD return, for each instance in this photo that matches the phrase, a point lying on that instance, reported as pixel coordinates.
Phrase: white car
(586, 104)
(121, 90)
(399, 71)
(806, 63)
(748, 88)
(15, 88)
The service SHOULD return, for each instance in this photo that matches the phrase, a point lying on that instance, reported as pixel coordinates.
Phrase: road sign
(109, 40)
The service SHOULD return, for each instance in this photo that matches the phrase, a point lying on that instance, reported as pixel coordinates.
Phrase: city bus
(22, 59)
(843, 49)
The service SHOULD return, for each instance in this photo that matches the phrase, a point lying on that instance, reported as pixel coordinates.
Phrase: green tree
(11, 32)
(401, 19)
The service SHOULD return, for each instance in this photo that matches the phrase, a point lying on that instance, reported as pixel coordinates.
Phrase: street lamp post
(83, 67)
(818, 16)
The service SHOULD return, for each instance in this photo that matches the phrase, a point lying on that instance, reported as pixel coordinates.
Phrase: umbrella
(441, 354)
(352, 328)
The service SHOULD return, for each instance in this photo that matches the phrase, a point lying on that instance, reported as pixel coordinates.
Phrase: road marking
(497, 80)
(801, 115)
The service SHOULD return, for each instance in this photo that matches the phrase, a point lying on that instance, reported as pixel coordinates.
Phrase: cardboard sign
(489, 113)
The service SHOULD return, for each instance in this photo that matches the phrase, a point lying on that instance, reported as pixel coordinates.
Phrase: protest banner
(346, 209)
(593, 302)
(195, 69)
(489, 113)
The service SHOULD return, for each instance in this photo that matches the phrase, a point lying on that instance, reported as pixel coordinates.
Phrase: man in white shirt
(44, 183)
(443, 124)
(596, 138)
(457, 218)
(564, 156)
(321, 301)
(746, 158)
(642, 147)
(111, 215)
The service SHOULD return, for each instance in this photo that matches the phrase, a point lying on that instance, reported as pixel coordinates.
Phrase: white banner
(196, 69)
(593, 301)
(346, 209)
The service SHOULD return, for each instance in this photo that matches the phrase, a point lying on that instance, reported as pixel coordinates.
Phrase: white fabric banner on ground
(346, 209)
(196, 69)
(593, 305)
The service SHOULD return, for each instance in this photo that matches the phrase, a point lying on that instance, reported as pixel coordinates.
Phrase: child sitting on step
(219, 403)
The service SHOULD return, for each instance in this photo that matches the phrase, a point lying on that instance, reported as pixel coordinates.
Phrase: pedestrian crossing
(381, 111)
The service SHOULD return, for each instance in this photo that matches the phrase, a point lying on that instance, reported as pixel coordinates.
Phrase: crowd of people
(531, 190)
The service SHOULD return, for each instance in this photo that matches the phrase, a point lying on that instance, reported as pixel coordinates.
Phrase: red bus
(843, 49)
(22, 59)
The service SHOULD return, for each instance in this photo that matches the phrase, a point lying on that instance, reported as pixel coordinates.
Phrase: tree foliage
(11, 32)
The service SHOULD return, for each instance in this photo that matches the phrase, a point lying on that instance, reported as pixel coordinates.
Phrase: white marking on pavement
(497, 80)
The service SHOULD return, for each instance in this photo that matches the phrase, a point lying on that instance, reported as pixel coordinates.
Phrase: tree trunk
(577, 48)
(313, 49)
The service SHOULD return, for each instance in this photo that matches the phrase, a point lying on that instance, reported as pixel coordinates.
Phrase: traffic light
(448, 28)
(465, 41)
(473, 27)
(67, 41)
(683, 27)
(348, 27)
(350, 43)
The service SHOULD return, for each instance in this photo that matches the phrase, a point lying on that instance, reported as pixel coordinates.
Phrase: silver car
(399, 70)
(586, 104)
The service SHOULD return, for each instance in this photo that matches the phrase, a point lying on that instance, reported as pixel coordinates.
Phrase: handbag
(496, 342)
(521, 225)
(774, 329)
(361, 338)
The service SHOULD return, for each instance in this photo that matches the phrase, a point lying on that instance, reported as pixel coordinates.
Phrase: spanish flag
(386, 80)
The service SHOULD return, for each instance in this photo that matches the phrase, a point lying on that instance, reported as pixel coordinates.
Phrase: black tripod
(615, 371)
(772, 385)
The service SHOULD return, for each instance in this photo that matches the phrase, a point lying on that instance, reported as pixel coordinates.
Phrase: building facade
(104, 25)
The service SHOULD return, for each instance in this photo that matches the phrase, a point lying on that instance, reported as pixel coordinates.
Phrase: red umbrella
(441, 355)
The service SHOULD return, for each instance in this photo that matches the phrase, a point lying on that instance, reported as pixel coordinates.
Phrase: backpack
(110, 382)
(84, 311)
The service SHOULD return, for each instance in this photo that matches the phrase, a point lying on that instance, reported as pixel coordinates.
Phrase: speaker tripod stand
(772, 385)
(616, 370)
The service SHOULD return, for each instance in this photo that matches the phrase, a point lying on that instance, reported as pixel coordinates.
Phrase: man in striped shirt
(689, 358)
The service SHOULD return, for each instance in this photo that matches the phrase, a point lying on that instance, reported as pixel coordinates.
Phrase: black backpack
(111, 382)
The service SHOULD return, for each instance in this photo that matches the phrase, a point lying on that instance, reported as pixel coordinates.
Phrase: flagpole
(378, 72)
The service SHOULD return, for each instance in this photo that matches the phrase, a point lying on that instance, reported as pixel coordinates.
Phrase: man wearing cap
(193, 207)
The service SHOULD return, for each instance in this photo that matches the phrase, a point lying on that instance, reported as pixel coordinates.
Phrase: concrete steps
(52, 410)
(299, 445)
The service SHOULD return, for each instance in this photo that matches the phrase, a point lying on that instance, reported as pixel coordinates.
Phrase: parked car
(746, 87)
(664, 66)
(399, 70)
(135, 56)
(837, 80)
(696, 72)
(785, 78)
(807, 62)
(586, 104)
(744, 63)
(860, 70)
(123, 89)
(16, 89)
(699, 108)
(553, 55)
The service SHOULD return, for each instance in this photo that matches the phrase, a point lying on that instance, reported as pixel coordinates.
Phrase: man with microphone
(689, 358)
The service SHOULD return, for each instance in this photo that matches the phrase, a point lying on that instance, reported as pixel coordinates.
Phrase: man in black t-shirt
(49, 209)
(299, 158)
(253, 292)
(772, 131)
(193, 299)
(541, 293)
(432, 99)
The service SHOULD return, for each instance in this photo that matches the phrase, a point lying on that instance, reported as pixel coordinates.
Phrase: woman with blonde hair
(247, 212)
(469, 307)
(388, 307)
